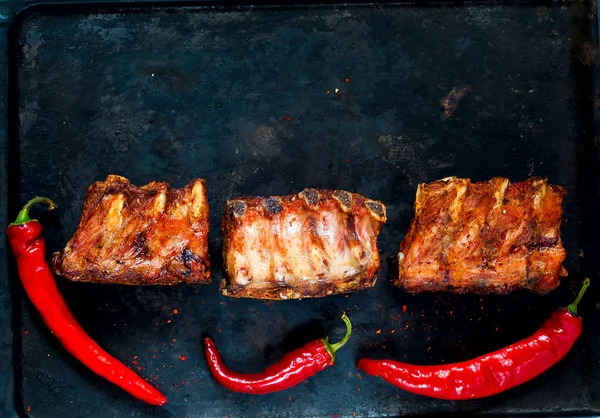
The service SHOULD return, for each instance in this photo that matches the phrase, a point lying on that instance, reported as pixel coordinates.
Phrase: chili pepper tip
(159, 400)
(332, 348)
(573, 306)
(23, 216)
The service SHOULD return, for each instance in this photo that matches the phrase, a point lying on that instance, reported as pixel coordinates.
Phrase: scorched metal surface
(267, 101)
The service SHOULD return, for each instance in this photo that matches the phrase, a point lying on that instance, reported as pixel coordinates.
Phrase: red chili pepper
(294, 367)
(491, 373)
(29, 248)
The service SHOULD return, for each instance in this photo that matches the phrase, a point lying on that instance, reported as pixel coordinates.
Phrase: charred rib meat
(484, 237)
(312, 244)
(153, 234)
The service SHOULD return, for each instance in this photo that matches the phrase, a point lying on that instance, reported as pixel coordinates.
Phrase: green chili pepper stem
(573, 306)
(23, 216)
(332, 348)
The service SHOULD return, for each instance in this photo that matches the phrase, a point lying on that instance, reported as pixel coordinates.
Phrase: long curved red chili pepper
(491, 373)
(293, 368)
(29, 248)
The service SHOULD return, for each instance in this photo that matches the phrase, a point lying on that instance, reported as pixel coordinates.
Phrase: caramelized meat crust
(311, 244)
(153, 234)
(487, 237)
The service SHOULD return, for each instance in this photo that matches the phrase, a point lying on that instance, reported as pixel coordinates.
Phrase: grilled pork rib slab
(147, 235)
(487, 237)
(311, 244)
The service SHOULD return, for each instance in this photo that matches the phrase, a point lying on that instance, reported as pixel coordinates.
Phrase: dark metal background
(246, 98)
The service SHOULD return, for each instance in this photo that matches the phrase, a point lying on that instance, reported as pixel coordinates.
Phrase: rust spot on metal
(450, 101)
(588, 55)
